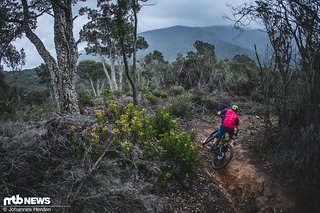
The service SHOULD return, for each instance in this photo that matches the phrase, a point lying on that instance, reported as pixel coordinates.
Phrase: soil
(244, 185)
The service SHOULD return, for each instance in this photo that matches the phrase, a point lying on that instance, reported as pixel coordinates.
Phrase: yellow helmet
(235, 108)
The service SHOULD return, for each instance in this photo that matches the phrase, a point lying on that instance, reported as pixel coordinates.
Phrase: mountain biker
(229, 123)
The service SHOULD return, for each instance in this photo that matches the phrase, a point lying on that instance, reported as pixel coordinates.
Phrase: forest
(124, 134)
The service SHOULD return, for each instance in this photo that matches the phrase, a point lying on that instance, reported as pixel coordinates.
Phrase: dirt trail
(242, 181)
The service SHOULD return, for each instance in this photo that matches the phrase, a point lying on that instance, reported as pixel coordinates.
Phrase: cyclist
(229, 123)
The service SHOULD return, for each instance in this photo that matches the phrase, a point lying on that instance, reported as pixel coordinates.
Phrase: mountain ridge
(179, 39)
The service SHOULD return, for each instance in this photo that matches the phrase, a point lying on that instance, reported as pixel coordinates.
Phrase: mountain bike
(222, 150)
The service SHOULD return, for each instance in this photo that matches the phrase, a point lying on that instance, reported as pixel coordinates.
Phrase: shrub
(152, 99)
(84, 99)
(162, 122)
(181, 148)
(144, 89)
(90, 140)
(182, 106)
(156, 136)
(164, 178)
(39, 111)
(6, 111)
(255, 95)
(159, 93)
(177, 90)
(36, 97)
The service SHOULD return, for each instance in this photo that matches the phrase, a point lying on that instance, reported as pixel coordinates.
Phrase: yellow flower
(127, 145)
(105, 129)
(115, 131)
(100, 115)
(95, 136)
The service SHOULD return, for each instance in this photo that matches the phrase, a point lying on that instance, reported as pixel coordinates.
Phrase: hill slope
(180, 39)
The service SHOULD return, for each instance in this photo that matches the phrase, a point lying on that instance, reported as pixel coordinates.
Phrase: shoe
(210, 148)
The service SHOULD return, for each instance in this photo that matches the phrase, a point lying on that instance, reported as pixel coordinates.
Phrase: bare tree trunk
(63, 71)
(101, 87)
(67, 56)
(126, 69)
(134, 54)
(92, 87)
(121, 70)
(107, 74)
(113, 73)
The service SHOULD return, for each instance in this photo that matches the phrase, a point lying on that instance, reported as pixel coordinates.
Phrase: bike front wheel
(220, 161)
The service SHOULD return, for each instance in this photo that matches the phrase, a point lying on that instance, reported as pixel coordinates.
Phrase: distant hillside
(180, 39)
(27, 79)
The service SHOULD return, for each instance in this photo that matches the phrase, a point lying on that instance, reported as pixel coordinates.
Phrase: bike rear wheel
(218, 162)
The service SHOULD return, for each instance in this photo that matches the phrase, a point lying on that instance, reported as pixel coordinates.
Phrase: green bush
(6, 111)
(156, 136)
(85, 99)
(152, 99)
(177, 90)
(164, 178)
(256, 96)
(162, 122)
(159, 93)
(91, 140)
(180, 147)
(197, 98)
(144, 89)
(37, 112)
(37, 97)
(182, 106)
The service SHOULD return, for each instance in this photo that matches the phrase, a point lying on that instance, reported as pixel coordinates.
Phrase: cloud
(164, 13)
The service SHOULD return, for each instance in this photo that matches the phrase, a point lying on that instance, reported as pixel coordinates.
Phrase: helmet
(235, 108)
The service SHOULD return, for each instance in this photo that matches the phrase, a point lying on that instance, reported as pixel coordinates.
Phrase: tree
(198, 66)
(94, 72)
(112, 31)
(9, 55)
(21, 17)
(155, 69)
(43, 74)
(243, 72)
(293, 28)
(101, 41)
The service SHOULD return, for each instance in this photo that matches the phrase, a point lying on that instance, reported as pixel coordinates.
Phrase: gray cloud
(164, 13)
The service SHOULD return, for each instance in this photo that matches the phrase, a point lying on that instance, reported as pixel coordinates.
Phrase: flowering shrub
(91, 140)
(184, 152)
(157, 136)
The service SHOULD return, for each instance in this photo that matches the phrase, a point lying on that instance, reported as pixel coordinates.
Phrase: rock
(261, 201)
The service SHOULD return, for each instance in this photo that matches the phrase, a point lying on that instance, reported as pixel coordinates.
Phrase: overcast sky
(164, 13)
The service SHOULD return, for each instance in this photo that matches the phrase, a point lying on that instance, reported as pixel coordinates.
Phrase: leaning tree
(22, 18)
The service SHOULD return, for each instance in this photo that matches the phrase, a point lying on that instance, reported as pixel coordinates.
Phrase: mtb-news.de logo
(26, 204)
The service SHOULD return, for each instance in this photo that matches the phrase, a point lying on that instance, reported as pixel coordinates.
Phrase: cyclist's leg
(220, 133)
(231, 134)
